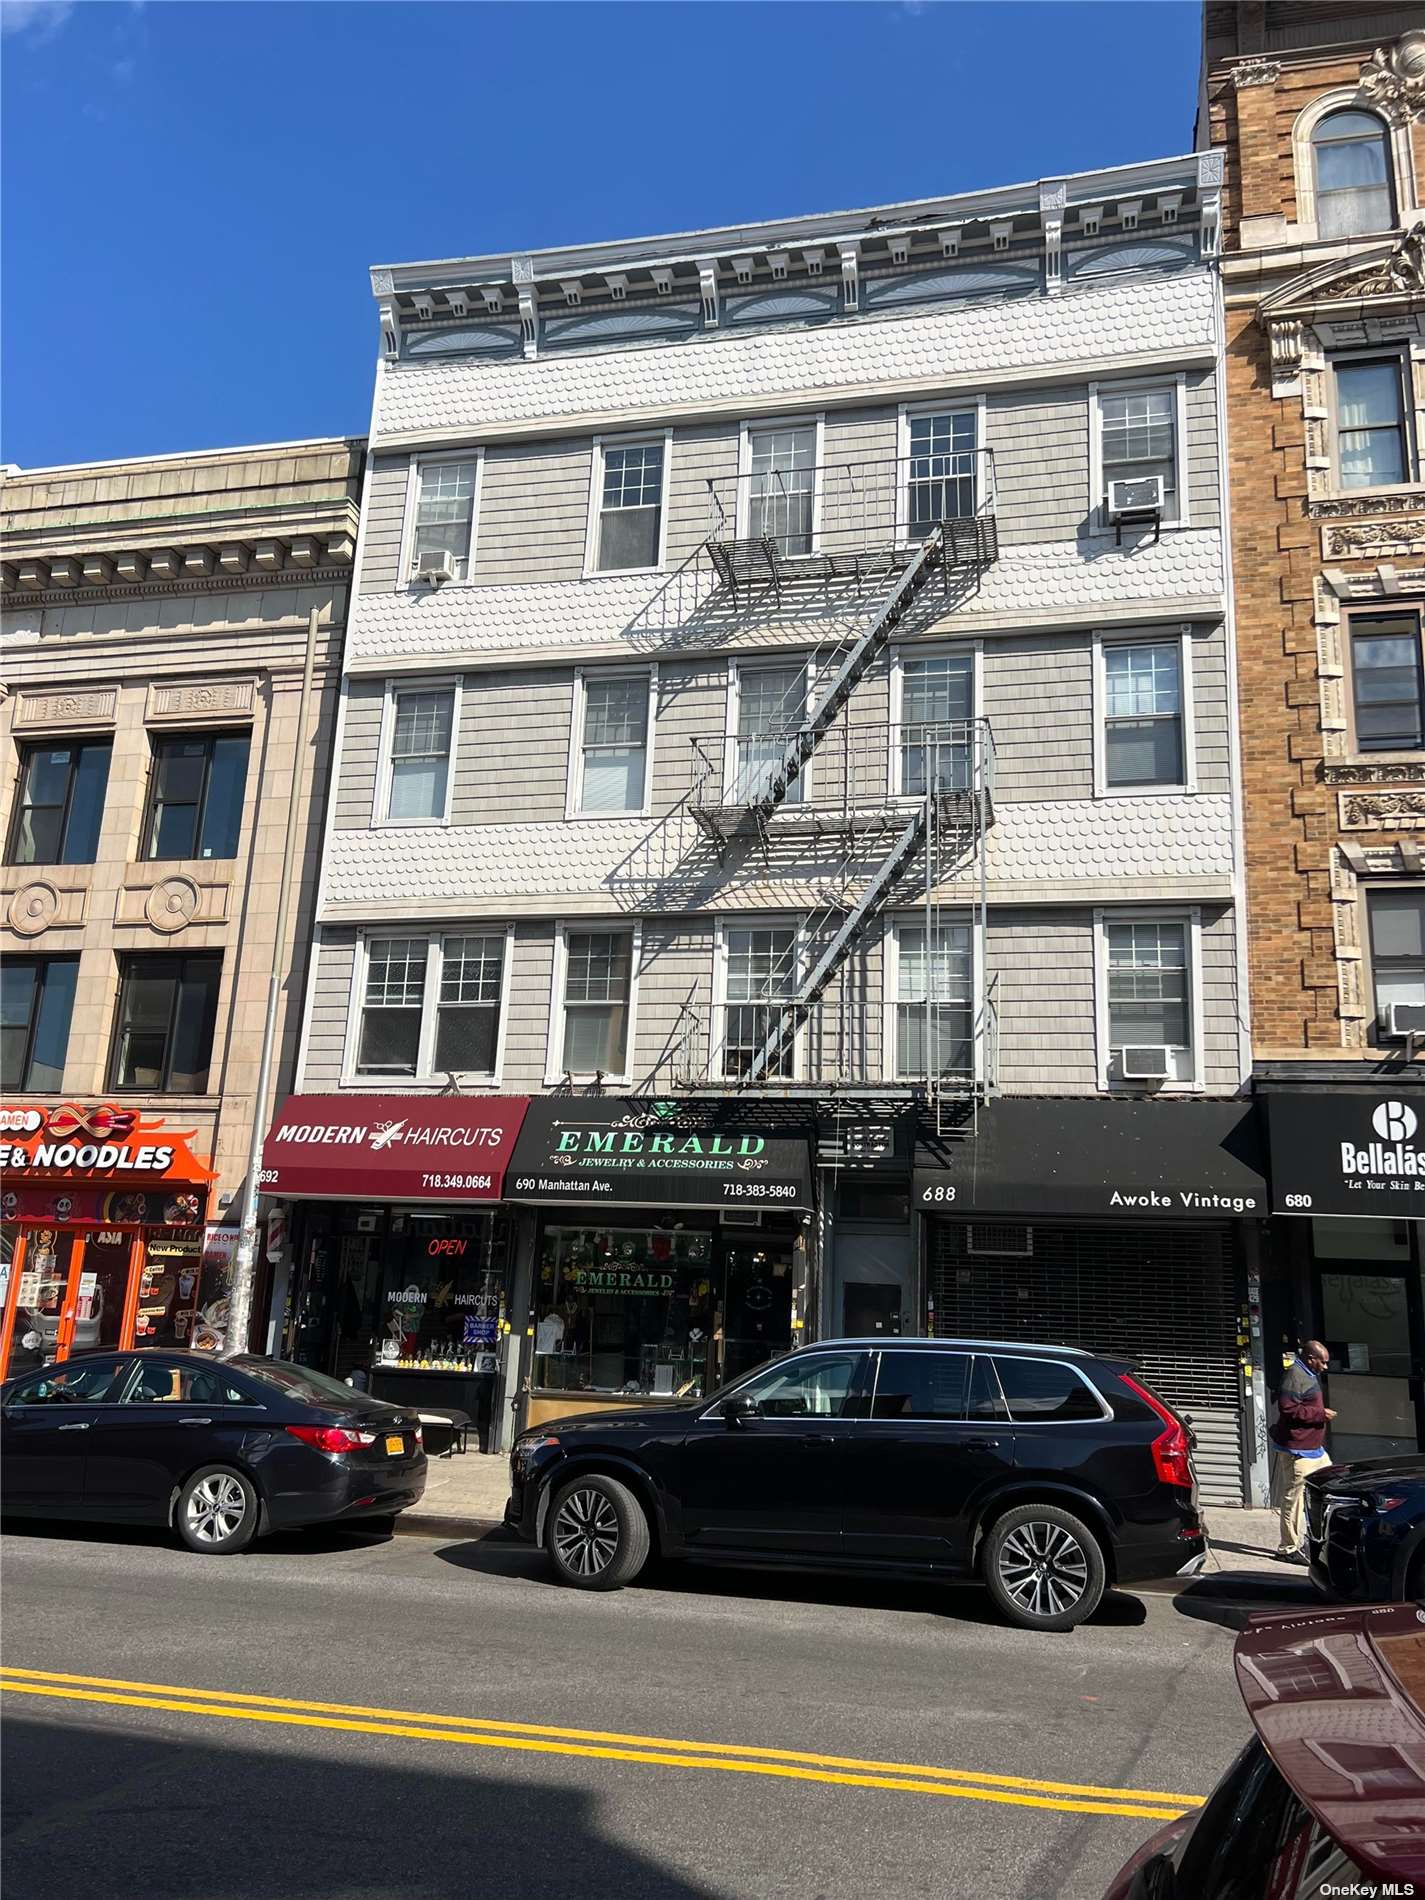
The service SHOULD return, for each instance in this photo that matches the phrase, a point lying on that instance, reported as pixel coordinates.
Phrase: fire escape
(819, 788)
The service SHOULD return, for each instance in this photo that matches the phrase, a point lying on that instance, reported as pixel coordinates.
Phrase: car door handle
(82, 1426)
(195, 1421)
(984, 1444)
(816, 1438)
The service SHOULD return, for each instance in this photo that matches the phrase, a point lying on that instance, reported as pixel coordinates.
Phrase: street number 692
(938, 1194)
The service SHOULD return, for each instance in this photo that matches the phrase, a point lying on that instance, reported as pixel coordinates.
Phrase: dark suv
(1045, 1471)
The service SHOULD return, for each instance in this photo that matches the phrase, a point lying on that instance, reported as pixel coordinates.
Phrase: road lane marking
(662, 1751)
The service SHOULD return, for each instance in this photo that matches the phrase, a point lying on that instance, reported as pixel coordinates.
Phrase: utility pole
(245, 1265)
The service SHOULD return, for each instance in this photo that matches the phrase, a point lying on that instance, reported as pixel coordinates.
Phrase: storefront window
(442, 1293)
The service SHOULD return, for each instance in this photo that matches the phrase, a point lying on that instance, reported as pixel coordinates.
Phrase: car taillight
(1170, 1447)
(420, 1436)
(332, 1437)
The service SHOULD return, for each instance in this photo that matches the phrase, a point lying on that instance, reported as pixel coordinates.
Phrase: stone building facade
(155, 619)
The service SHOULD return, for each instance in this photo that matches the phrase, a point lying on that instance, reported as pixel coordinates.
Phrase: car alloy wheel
(1043, 1568)
(586, 1532)
(215, 1507)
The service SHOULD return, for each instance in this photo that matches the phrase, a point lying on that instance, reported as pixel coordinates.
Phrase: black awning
(1351, 1151)
(1105, 1160)
(615, 1149)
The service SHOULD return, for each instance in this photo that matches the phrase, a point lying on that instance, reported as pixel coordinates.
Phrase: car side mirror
(739, 1409)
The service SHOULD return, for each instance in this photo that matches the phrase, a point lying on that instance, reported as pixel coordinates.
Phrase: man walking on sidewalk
(1302, 1416)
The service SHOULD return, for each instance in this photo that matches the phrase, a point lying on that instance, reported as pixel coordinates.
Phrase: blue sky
(192, 191)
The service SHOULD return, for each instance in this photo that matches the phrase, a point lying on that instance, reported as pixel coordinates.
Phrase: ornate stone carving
(33, 908)
(1288, 342)
(172, 904)
(1255, 72)
(1369, 540)
(1404, 503)
(214, 699)
(1377, 772)
(1383, 811)
(1394, 80)
(67, 709)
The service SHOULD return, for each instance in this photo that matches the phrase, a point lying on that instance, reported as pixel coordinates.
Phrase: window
(940, 1040)
(782, 489)
(771, 707)
(36, 1002)
(422, 723)
(445, 510)
(1038, 1390)
(467, 1027)
(1352, 175)
(430, 1006)
(1148, 1002)
(166, 1382)
(986, 1401)
(921, 1385)
(598, 981)
(1386, 689)
(941, 473)
(195, 796)
(390, 1039)
(168, 1007)
(1138, 436)
(1370, 423)
(60, 802)
(935, 708)
(761, 978)
(1397, 933)
(1143, 714)
(88, 1382)
(630, 525)
(807, 1385)
(613, 769)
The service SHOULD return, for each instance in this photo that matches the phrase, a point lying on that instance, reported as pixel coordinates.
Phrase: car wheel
(216, 1512)
(1044, 1567)
(596, 1534)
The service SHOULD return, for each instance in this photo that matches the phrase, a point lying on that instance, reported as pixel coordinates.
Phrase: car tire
(596, 1533)
(1044, 1567)
(217, 1512)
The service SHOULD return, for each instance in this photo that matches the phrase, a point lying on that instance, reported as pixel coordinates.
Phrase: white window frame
(762, 425)
(1403, 357)
(905, 415)
(426, 1076)
(574, 775)
(1143, 637)
(971, 650)
(756, 920)
(602, 443)
(764, 661)
(1129, 386)
(1366, 890)
(1303, 155)
(890, 986)
(406, 580)
(413, 683)
(554, 1073)
(1191, 917)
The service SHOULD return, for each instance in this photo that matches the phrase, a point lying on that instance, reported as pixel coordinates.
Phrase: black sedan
(221, 1451)
(1365, 1529)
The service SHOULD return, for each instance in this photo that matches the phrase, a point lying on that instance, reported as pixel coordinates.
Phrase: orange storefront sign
(98, 1165)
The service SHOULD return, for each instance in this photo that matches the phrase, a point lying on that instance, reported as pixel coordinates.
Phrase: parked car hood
(638, 1416)
(1368, 1474)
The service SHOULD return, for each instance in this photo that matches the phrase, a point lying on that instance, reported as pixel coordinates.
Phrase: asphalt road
(395, 1791)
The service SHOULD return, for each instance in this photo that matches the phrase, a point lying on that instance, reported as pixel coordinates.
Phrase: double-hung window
(934, 738)
(421, 724)
(430, 1006)
(940, 473)
(1142, 714)
(445, 514)
(597, 1002)
(195, 796)
(630, 524)
(36, 1002)
(771, 709)
(1397, 940)
(168, 1010)
(392, 1006)
(60, 802)
(934, 1021)
(467, 1017)
(1149, 998)
(782, 487)
(1387, 693)
(613, 761)
(760, 980)
(1138, 436)
(1352, 175)
(1370, 423)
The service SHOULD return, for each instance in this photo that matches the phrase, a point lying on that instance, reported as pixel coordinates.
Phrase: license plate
(395, 1445)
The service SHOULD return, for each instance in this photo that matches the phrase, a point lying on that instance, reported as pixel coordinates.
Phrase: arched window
(1352, 175)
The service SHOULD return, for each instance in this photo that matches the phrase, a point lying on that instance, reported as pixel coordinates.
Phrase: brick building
(1318, 111)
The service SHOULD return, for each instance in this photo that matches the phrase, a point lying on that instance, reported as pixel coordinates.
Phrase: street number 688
(938, 1194)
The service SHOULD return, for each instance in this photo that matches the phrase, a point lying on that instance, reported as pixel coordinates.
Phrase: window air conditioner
(435, 567)
(1140, 495)
(740, 1216)
(1146, 1062)
(1403, 1019)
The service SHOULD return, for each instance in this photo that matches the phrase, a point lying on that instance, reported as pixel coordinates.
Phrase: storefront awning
(1354, 1151)
(624, 1151)
(392, 1147)
(1101, 1160)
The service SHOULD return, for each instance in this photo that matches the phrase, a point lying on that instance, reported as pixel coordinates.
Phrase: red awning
(392, 1147)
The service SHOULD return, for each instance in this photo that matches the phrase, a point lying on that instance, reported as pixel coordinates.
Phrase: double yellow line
(659, 1751)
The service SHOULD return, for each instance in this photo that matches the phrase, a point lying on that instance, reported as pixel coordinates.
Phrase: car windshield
(298, 1382)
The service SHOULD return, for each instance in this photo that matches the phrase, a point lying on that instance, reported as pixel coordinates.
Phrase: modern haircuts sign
(1348, 1151)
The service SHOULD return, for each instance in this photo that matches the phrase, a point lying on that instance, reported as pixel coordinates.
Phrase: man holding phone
(1298, 1436)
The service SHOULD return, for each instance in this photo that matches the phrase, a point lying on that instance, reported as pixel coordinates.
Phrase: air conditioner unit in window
(1403, 1019)
(1146, 1062)
(1136, 498)
(435, 567)
(740, 1216)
